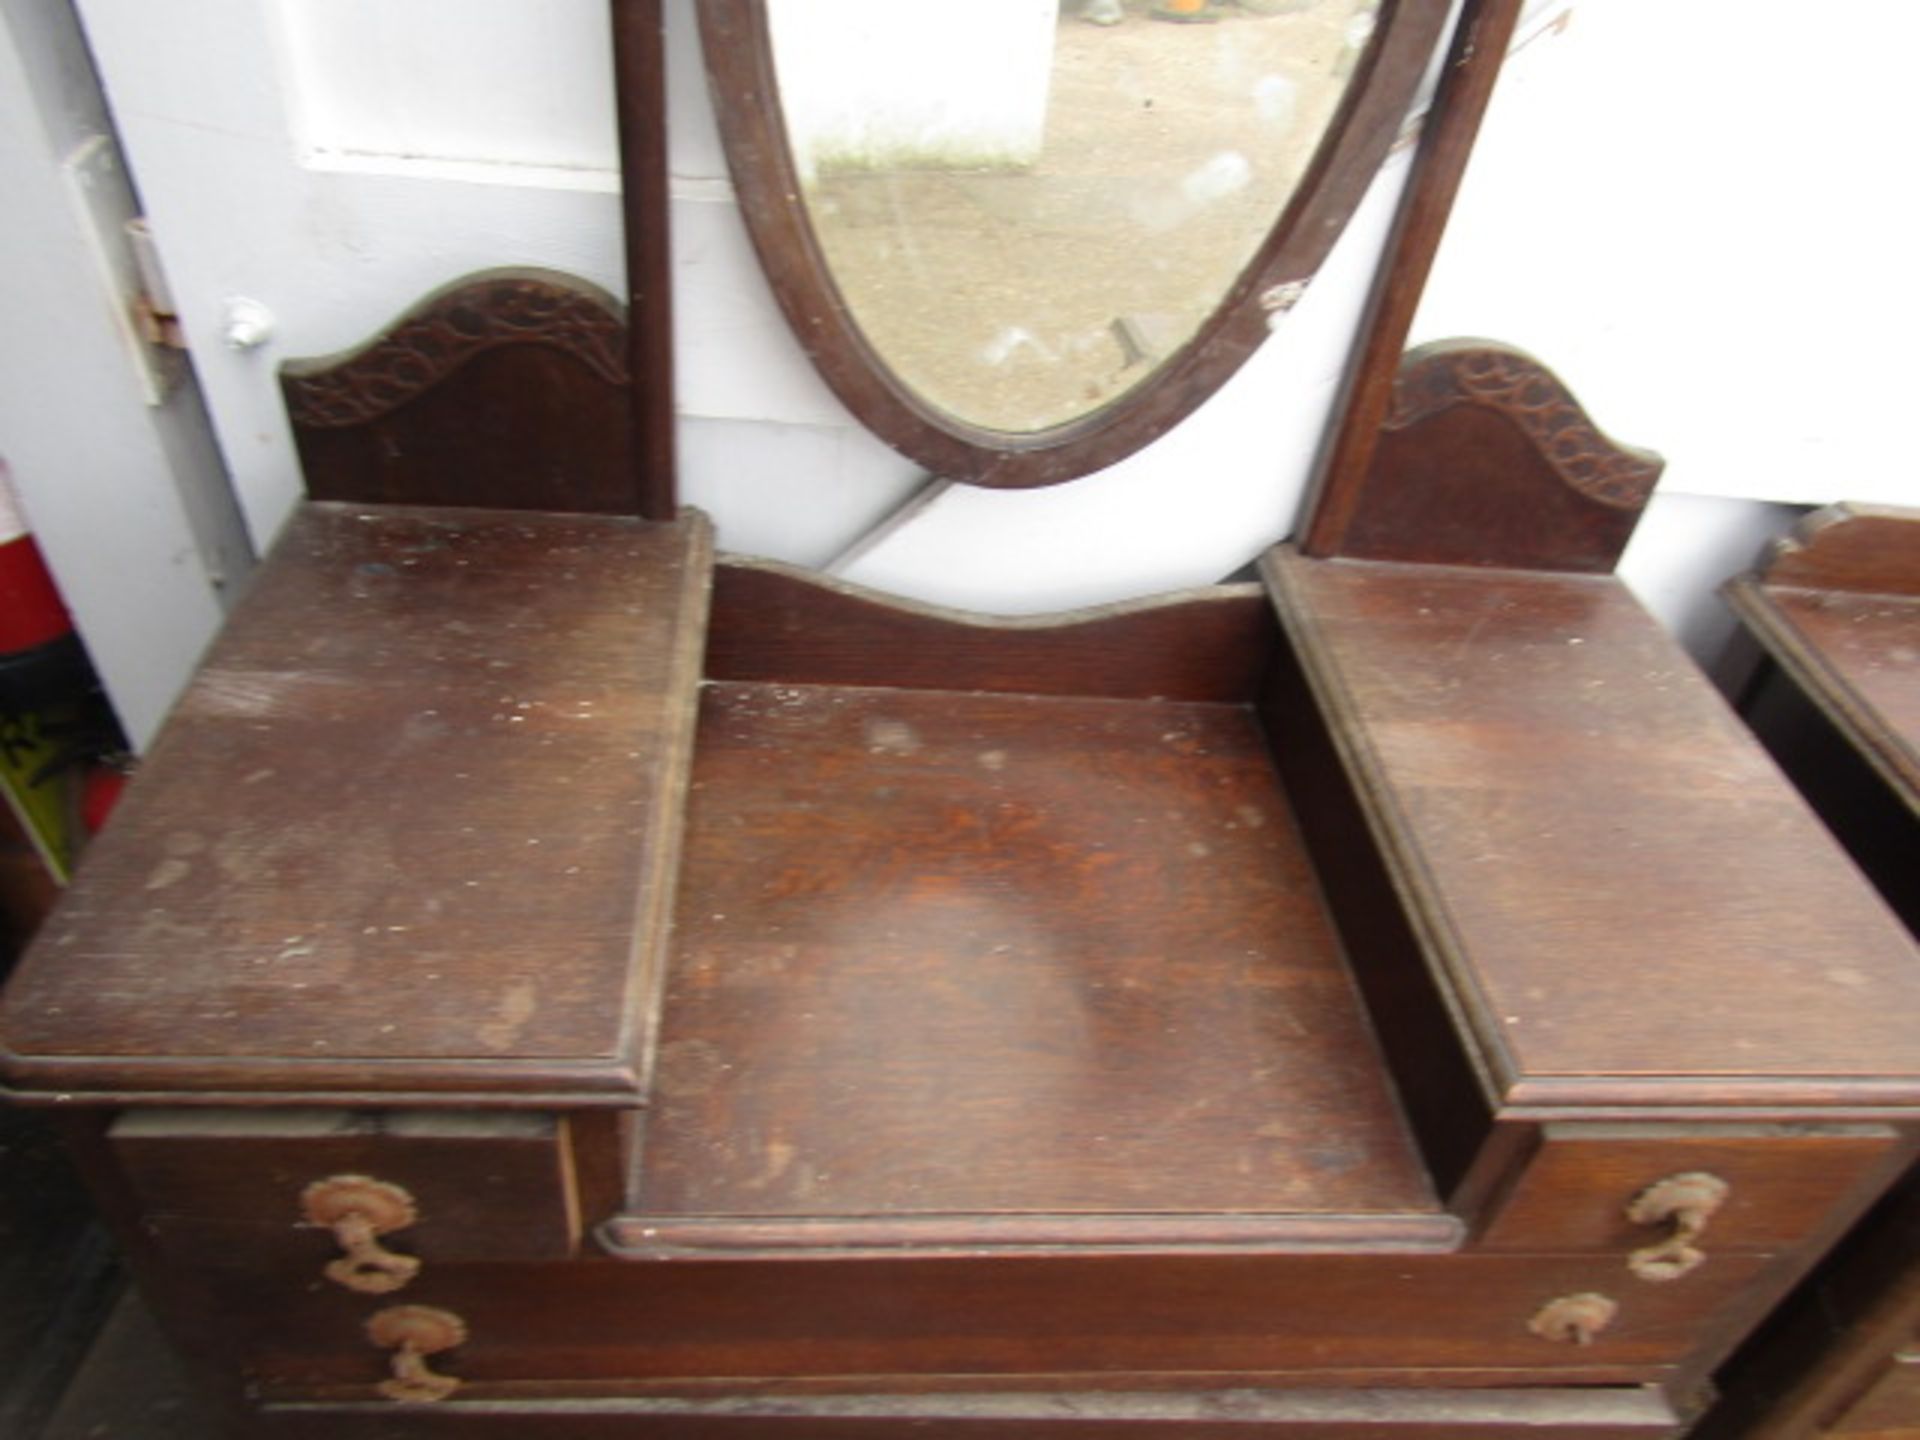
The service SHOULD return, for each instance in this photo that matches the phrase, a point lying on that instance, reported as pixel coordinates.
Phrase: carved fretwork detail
(450, 328)
(1528, 394)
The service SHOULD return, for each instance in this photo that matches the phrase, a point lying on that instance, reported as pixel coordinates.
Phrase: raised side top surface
(410, 829)
(1626, 901)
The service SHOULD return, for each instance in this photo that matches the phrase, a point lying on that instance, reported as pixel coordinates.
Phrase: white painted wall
(1698, 215)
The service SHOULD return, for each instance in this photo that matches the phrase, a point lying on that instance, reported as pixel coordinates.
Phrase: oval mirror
(1022, 238)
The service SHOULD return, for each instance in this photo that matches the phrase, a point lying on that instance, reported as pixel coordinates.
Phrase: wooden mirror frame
(740, 72)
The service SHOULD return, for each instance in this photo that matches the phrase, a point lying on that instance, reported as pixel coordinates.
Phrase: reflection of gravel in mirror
(1276, 100)
(1018, 299)
(1218, 178)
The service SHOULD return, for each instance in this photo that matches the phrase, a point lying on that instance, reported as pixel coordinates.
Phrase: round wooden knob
(357, 1208)
(1574, 1319)
(414, 1332)
(1685, 1202)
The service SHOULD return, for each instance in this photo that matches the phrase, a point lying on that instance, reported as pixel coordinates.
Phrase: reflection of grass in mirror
(1019, 300)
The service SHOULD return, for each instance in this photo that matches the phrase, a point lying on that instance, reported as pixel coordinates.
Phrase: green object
(40, 787)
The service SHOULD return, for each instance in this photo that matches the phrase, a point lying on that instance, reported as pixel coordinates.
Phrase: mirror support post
(640, 71)
(1480, 40)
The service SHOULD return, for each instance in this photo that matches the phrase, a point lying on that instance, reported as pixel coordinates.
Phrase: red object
(31, 611)
(99, 791)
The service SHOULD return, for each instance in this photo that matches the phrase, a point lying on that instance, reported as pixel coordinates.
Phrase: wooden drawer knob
(357, 1208)
(1574, 1319)
(1685, 1202)
(414, 1332)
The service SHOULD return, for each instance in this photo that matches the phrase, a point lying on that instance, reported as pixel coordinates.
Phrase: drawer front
(595, 1322)
(1777, 1188)
(219, 1188)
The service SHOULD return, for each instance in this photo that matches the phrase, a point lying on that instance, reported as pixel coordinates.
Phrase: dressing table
(549, 980)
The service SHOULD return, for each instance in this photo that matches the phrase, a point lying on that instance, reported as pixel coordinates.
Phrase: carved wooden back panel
(508, 389)
(521, 389)
(1484, 458)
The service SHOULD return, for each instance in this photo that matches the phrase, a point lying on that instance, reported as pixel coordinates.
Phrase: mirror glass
(1028, 207)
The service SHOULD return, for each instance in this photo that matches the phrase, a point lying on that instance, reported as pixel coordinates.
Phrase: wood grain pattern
(1845, 776)
(1112, 1322)
(1482, 32)
(1837, 608)
(951, 954)
(225, 1187)
(640, 97)
(1869, 548)
(506, 389)
(1448, 1102)
(411, 828)
(1532, 748)
(1783, 1183)
(1621, 1414)
(775, 622)
(741, 75)
(1484, 458)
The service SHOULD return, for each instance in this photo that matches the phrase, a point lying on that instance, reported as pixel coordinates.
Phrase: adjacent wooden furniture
(551, 982)
(1836, 611)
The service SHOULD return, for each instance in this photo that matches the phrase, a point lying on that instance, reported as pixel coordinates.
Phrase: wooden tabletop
(411, 828)
(973, 963)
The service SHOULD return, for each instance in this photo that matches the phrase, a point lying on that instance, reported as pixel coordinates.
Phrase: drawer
(224, 1187)
(1778, 1186)
(588, 1326)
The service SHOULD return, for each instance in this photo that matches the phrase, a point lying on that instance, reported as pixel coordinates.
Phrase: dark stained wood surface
(1083, 1322)
(640, 95)
(1626, 901)
(1783, 1181)
(1364, 1414)
(742, 78)
(1447, 1103)
(1482, 32)
(1837, 608)
(944, 953)
(774, 622)
(412, 827)
(507, 389)
(1485, 458)
(1858, 657)
(1870, 548)
(224, 1187)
